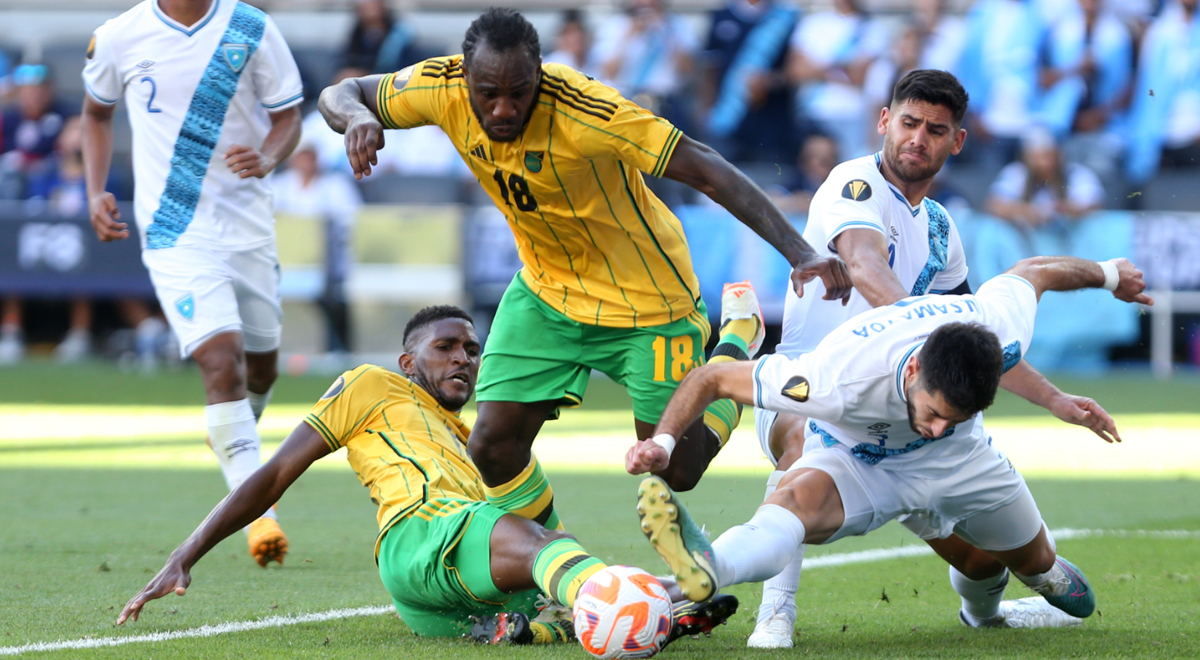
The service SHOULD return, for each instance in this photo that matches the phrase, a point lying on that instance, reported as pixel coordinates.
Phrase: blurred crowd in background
(1076, 106)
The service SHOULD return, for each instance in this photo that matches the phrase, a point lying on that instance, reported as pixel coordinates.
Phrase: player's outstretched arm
(96, 126)
(241, 507)
(350, 108)
(702, 168)
(702, 386)
(1029, 384)
(1071, 273)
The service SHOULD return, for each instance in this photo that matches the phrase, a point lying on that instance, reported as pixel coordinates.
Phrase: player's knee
(261, 375)
(552, 535)
(680, 478)
(223, 368)
(813, 496)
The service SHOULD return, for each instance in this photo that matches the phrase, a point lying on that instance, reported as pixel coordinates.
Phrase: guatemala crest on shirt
(235, 56)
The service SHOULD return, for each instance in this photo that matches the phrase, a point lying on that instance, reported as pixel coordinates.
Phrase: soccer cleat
(1034, 612)
(773, 633)
(1068, 590)
(267, 541)
(677, 540)
(692, 619)
(515, 629)
(740, 302)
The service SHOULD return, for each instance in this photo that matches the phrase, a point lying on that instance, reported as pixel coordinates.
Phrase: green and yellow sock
(735, 337)
(528, 495)
(562, 567)
(723, 416)
(549, 633)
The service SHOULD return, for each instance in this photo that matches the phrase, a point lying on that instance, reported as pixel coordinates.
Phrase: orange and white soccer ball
(622, 612)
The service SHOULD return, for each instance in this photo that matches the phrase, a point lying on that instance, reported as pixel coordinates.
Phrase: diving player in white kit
(873, 213)
(892, 397)
(213, 97)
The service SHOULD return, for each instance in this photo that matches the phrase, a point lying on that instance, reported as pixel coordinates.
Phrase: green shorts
(535, 353)
(436, 564)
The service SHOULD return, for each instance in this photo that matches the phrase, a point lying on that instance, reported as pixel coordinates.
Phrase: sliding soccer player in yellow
(607, 282)
(453, 563)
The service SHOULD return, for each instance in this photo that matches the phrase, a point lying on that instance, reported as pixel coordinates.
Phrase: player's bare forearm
(349, 99)
(350, 108)
(96, 125)
(252, 499)
(97, 138)
(1029, 384)
(702, 168)
(702, 386)
(282, 138)
(866, 255)
(1071, 273)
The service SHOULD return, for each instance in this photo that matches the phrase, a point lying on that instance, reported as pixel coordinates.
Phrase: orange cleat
(267, 541)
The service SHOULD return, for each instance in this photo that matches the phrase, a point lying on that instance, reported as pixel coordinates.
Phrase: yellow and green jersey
(409, 451)
(596, 244)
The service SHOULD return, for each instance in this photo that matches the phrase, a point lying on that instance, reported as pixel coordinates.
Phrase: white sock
(758, 549)
(779, 593)
(980, 598)
(235, 441)
(258, 402)
(1053, 582)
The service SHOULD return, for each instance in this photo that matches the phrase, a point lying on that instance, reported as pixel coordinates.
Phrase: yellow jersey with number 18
(596, 244)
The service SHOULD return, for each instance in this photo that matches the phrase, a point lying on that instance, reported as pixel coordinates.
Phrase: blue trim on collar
(878, 163)
(900, 371)
(172, 23)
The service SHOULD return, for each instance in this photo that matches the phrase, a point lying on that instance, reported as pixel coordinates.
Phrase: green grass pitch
(77, 539)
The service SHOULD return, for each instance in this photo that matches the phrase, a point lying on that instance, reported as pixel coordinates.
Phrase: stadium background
(102, 462)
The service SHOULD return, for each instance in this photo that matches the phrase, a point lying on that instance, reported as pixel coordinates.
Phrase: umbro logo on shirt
(479, 152)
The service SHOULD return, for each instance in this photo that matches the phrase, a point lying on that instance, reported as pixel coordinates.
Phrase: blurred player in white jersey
(892, 397)
(872, 212)
(213, 97)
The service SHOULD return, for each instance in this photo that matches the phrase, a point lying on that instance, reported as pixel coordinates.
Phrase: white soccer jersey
(851, 385)
(192, 92)
(924, 249)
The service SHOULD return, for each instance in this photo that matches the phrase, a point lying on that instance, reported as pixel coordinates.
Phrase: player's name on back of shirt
(921, 307)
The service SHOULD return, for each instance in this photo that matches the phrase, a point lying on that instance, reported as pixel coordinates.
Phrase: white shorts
(983, 498)
(207, 292)
(764, 421)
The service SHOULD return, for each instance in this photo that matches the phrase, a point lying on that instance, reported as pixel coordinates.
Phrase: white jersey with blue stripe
(851, 385)
(191, 93)
(924, 249)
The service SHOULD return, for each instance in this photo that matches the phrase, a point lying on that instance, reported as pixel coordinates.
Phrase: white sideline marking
(1065, 534)
(202, 631)
(826, 561)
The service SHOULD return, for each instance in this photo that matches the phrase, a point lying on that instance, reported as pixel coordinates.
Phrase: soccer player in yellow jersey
(452, 562)
(607, 282)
